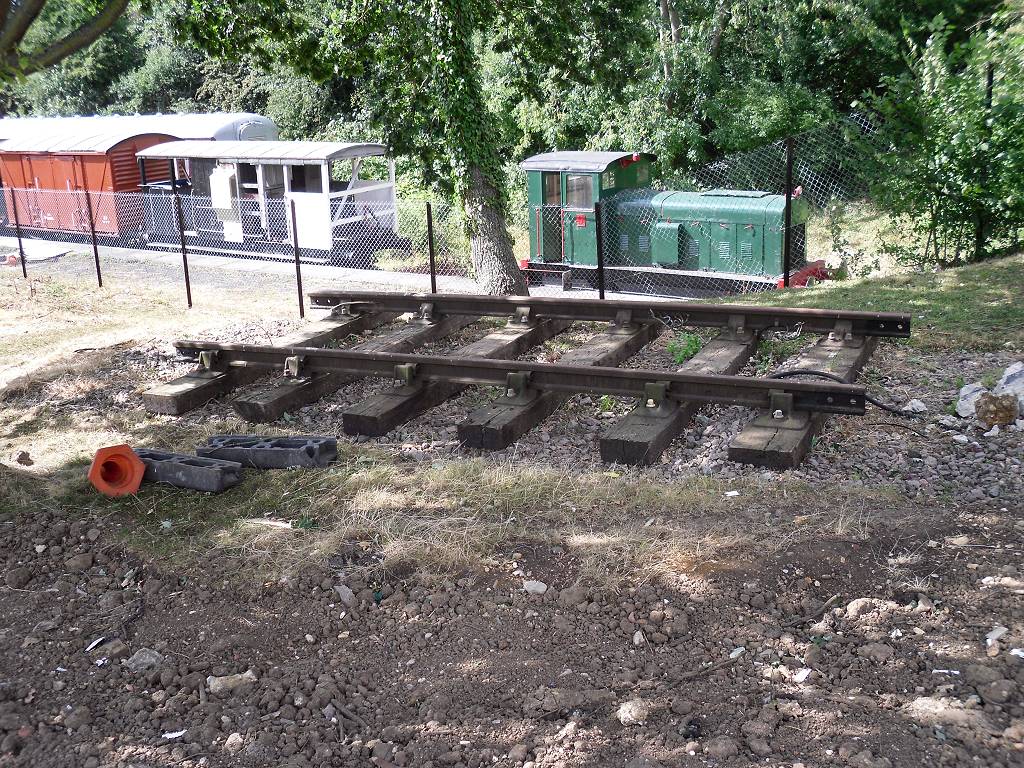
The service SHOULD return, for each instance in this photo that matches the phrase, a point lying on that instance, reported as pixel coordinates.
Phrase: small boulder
(142, 660)
(226, 684)
(915, 406)
(534, 587)
(996, 410)
(346, 595)
(633, 712)
(234, 743)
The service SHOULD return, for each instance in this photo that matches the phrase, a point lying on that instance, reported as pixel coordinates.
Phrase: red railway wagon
(48, 164)
(52, 173)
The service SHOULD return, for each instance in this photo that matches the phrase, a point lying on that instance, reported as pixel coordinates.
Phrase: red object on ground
(798, 279)
(12, 260)
(116, 471)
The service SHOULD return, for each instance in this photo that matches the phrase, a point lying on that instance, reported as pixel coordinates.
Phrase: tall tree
(69, 26)
(417, 66)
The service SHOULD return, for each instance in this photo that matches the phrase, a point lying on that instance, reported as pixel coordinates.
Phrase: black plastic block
(272, 452)
(185, 471)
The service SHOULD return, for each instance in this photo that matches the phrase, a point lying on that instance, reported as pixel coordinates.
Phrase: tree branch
(81, 38)
(15, 28)
(5, 9)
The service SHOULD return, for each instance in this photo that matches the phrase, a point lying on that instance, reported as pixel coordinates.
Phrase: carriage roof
(264, 152)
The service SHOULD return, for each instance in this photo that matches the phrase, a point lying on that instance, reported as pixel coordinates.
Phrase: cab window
(579, 192)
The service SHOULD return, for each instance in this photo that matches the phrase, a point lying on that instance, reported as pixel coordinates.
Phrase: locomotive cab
(562, 188)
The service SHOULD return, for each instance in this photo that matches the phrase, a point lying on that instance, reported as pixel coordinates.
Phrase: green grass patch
(977, 307)
(683, 347)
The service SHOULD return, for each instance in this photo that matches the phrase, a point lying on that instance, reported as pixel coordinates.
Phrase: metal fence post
(599, 237)
(430, 248)
(17, 231)
(92, 231)
(184, 249)
(787, 235)
(298, 264)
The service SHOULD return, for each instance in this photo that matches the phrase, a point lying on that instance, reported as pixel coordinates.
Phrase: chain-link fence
(420, 241)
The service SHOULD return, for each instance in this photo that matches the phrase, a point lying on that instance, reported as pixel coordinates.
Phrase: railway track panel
(791, 412)
(201, 385)
(642, 435)
(779, 438)
(379, 414)
(291, 393)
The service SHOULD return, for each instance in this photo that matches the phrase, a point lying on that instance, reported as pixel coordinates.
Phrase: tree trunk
(673, 15)
(495, 265)
(663, 37)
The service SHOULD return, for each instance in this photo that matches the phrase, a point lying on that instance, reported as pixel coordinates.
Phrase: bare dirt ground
(418, 605)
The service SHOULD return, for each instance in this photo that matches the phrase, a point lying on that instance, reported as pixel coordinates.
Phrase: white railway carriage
(242, 192)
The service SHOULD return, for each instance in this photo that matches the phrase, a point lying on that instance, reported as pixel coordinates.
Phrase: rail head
(750, 317)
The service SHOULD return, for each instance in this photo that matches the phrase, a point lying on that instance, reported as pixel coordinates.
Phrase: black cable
(826, 375)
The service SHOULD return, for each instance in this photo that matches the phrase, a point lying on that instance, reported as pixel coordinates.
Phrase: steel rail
(755, 318)
(521, 377)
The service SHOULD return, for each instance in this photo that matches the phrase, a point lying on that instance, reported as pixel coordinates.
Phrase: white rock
(534, 587)
(638, 638)
(234, 743)
(915, 406)
(992, 432)
(228, 683)
(968, 398)
(962, 439)
(1012, 383)
(633, 712)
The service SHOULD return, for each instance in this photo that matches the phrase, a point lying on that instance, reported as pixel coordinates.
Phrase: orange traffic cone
(116, 471)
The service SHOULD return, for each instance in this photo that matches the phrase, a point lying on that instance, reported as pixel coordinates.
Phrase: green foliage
(607, 403)
(683, 347)
(951, 167)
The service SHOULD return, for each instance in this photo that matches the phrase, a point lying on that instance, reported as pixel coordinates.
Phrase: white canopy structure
(309, 174)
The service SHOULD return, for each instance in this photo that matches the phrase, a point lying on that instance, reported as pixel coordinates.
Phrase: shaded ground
(696, 612)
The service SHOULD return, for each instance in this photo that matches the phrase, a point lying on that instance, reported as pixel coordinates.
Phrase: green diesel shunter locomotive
(731, 235)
